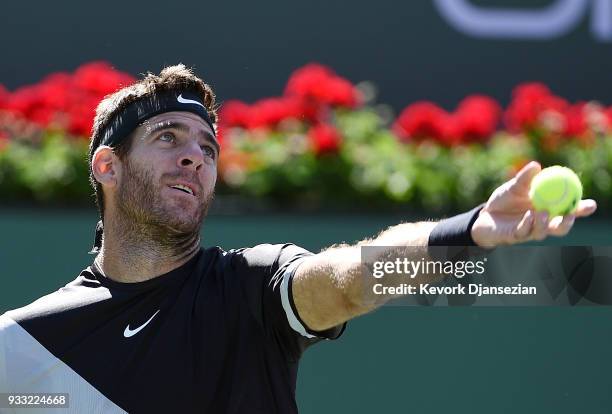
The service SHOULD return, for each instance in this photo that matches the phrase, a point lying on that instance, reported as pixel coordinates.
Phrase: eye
(208, 150)
(167, 137)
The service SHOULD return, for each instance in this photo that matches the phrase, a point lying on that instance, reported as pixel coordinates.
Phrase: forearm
(338, 284)
(411, 243)
(404, 241)
(333, 286)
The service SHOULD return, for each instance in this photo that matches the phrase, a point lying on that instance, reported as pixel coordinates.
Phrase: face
(169, 175)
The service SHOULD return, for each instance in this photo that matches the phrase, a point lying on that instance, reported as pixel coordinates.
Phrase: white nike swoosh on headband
(128, 333)
(188, 101)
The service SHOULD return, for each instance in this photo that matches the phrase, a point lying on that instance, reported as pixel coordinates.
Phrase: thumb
(522, 180)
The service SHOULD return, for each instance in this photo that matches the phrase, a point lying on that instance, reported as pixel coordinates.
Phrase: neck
(133, 252)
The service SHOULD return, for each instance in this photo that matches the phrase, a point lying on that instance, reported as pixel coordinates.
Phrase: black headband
(139, 111)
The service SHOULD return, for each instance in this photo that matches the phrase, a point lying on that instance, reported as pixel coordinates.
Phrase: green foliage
(52, 169)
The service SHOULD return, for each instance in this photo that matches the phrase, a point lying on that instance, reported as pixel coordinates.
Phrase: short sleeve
(266, 272)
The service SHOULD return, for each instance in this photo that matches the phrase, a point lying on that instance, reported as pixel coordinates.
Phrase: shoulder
(267, 255)
(82, 291)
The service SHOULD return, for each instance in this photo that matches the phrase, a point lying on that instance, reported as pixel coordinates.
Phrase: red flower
(321, 84)
(45, 102)
(325, 139)
(100, 78)
(4, 96)
(575, 120)
(269, 112)
(422, 120)
(81, 114)
(68, 101)
(340, 92)
(531, 104)
(54, 91)
(23, 100)
(308, 110)
(608, 117)
(309, 81)
(532, 91)
(475, 120)
(234, 114)
(32, 102)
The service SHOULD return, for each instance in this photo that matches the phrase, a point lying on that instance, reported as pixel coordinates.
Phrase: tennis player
(159, 324)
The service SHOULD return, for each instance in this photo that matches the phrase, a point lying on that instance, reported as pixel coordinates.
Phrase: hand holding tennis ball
(557, 190)
(532, 205)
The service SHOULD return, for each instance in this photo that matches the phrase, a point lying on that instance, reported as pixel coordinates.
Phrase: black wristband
(456, 230)
(451, 238)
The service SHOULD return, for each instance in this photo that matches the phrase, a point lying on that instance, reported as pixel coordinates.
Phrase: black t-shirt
(220, 334)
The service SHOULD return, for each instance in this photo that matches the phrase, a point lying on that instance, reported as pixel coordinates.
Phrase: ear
(105, 166)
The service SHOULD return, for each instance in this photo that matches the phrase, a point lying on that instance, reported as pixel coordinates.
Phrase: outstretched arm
(328, 288)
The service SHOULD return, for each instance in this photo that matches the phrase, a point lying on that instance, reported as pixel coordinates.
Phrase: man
(158, 323)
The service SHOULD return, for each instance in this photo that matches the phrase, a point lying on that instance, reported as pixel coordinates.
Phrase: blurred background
(337, 120)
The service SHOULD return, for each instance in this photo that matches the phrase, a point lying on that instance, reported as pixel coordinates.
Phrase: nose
(191, 156)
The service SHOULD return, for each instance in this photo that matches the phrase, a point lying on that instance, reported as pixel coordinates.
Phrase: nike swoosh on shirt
(188, 101)
(129, 332)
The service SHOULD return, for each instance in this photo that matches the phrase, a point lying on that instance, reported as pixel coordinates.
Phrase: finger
(561, 225)
(522, 179)
(524, 227)
(540, 226)
(586, 208)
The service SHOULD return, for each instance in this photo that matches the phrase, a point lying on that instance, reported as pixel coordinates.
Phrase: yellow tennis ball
(556, 190)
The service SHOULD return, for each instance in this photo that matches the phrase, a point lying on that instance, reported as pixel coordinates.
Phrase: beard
(143, 212)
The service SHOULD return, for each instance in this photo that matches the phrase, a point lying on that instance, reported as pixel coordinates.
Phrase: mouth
(184, 188)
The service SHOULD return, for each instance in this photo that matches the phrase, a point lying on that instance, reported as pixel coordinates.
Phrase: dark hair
(176, 77)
